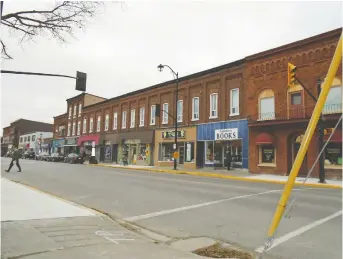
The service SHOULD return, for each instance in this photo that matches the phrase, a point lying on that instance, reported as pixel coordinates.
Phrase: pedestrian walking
(15, 158)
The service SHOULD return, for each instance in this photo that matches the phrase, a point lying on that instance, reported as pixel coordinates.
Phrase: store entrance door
(182, 155)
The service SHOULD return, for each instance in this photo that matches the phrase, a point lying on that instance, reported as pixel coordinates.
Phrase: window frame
(124, 120)
(260, 163)
(152, 118)
(107, 121)
(165, 117)
(78, 131)
(73, 129)
(141, 116)
(216, 108)
(115, 120)
(91, 125)
(181, 112)
(231, 102)
(69, 129)
(132, 118)
(75, 110)
(84, 127)
(70, 112)
(98, 123)
(80, 109)
(193, 109)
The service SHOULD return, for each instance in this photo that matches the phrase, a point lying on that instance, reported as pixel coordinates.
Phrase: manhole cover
(219, 251)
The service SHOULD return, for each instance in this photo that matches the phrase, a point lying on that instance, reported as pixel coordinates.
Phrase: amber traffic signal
(291, 75)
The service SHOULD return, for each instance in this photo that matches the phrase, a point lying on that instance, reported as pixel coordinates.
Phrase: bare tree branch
(59, 22)
(4, 51)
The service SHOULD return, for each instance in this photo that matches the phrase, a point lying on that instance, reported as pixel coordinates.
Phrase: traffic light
(291, 75)
(81, 79)
(158, 110)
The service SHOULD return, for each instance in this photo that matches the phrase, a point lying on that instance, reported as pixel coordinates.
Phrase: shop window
(189, 157)
(165, 113)
(133, 118)
(267, 154)
(123, 122)
(179, 110)
(209, 152)
(80, 109)
(266, 105)
(115, 121)
(78, 128)
(90, 125)
(25, 139)
(195, 108)
(75, 108)
(98, 124)
(213, 106)
(333, 103)
(73, 131)
(107, 121)
(33, 137)
(166, 152)
(28, 138)
(333, 155)
(234, 102)
(142, 152)
(21, 140)
(69, 115)
(141, 116)
(68, 133)
(152, 114)
(84, 126)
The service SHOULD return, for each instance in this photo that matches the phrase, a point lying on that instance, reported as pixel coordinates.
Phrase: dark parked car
(55, 157)
(42, 156)
(73, 158)
(29, 155)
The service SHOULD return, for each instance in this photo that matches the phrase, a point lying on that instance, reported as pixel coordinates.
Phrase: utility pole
(320, 139)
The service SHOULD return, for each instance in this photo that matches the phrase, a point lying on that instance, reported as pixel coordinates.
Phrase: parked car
(29, 155)
(73, 158)
(55, 157)
(42, 156)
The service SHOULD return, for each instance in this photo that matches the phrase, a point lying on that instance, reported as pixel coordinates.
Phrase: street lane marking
(299, 231)
(166, 212)
(109, 236)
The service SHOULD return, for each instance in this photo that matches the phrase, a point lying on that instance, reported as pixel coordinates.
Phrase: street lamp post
(176, 74)
(40, 143)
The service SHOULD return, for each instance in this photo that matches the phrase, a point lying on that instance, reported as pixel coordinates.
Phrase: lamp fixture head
(160, 67)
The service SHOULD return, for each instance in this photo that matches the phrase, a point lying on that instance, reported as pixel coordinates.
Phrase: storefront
(133, 148)
(220, 142)
(58, 145)
(70, 145)
(86, 143)
(186, 147)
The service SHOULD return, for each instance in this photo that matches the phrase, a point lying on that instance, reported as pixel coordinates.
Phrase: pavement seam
(213, 175)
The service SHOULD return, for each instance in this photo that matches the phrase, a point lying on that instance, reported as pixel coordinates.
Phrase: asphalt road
(184, 206)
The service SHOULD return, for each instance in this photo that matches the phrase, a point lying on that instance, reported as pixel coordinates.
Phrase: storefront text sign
(171, 134)
(71, 141)
(226, 134)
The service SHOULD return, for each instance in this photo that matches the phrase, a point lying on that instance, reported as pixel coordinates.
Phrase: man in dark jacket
(15, 158)
(229, 160)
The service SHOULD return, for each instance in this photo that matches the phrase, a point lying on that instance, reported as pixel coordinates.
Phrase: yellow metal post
(336, 60)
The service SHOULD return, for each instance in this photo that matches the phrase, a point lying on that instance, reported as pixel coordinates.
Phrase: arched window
(266, 104)
(333, 103)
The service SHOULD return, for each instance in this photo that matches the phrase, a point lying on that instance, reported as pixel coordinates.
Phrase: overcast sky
(122, 47)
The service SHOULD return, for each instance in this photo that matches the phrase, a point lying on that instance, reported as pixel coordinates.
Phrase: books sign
(226, 134)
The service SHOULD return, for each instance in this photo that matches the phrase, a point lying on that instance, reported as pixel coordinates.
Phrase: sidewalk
(235, 174)
(40, 226)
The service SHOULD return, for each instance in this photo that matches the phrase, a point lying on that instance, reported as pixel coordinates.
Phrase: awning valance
(87, 138)
(264, 139)
(337, 136)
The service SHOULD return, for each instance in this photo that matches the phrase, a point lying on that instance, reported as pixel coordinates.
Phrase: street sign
(176, 155)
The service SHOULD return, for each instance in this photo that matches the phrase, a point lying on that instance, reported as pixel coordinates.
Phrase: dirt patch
(218, 251)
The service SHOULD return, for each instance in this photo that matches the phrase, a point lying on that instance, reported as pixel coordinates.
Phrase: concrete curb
(214, 175)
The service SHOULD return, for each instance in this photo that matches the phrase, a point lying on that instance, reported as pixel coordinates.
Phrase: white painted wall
(34, 144)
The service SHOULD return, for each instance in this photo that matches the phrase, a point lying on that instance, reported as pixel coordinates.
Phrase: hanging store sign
(226, 134)
(171, 134)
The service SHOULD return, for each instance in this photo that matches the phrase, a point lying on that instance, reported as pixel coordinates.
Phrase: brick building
(244, 108)
(279, 115)
(19, 127)
(67, 126)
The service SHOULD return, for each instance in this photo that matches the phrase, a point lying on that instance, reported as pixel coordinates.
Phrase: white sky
(121, 48)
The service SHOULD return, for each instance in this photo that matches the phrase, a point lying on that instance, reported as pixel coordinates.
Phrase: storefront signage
(71, 141)
(171, 134)
(132, 141)
(58, 142)
(226, 134)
